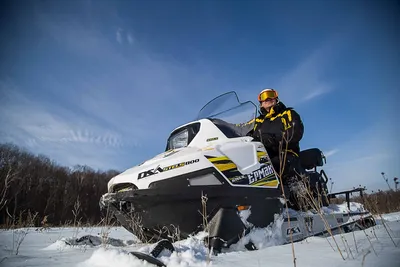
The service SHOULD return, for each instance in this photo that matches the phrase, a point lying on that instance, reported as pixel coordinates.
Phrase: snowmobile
(212, 177)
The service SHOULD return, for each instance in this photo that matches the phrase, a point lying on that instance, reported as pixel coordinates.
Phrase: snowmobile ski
(152, 257)
(148, 258)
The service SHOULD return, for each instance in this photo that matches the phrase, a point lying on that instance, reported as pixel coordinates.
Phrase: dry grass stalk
(104, 233)
(18, 238)
(387, 230)
(309, 199)
(304, 205)
(355, 243)
(76, 211)
(203, 213)
(373, 205)
(363, 201)
(370, 242)
(344, 240)
(365, 255)
(134, 223)
(282, 163)
(20, 234)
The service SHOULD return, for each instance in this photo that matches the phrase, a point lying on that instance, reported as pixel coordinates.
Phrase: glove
(269, 140)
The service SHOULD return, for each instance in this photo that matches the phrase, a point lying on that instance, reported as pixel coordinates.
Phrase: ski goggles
(267, 95)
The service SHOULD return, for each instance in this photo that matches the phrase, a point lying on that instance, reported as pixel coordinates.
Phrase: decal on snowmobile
(265, 176)
(225, 165)
(212, 139)
(175, 166)
(261, 174)
(293, 230)
(159, 169)
(150, 172)
(238, 178)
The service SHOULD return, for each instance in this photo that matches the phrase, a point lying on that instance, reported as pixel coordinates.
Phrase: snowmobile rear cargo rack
(347, 194)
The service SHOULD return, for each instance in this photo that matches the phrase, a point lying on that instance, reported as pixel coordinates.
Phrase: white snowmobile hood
(164, 160)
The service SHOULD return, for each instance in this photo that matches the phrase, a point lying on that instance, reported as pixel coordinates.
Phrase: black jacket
(270, 127)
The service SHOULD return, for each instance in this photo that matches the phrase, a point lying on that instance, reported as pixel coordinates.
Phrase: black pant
(289, 175)
(291, 167)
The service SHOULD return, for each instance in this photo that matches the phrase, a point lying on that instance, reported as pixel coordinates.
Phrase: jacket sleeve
(292, 127)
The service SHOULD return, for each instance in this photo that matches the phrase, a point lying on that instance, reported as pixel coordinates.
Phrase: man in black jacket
(280, 129)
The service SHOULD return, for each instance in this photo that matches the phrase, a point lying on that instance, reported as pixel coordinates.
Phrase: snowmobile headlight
(179, 140)
(124, 187)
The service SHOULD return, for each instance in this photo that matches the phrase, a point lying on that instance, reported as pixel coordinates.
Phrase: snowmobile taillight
(240, 208)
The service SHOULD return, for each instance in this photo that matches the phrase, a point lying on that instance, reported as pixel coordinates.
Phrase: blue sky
(103, 83)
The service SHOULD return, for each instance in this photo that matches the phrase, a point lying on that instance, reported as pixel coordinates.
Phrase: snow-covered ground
(55, 247)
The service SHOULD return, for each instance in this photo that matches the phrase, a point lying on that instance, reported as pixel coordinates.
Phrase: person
(280, 129)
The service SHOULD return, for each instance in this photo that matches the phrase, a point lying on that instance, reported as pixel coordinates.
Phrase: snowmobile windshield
(230, 115)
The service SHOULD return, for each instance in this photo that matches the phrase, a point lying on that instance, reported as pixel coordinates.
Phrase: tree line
(36, 189)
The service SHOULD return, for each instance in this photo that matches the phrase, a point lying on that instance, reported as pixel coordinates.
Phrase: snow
(332, 209)
(55, 247)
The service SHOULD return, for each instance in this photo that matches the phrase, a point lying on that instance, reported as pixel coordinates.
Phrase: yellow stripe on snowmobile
(267, 183)
(260, 154)
(225, 166)
(266, 179)
(218, 158)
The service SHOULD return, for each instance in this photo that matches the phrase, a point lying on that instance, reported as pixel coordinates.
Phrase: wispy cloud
(331, 152)
(308, 79)
(121, 36)
(116, 113)
(118, 35)
(305, 81)
(130, 38)
(53, 131)
(323, 89)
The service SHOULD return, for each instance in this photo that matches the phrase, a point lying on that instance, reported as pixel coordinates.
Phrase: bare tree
(38, 184)
(6, 183)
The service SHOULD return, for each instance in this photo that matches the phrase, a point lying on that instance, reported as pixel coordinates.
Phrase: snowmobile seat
(311, 158)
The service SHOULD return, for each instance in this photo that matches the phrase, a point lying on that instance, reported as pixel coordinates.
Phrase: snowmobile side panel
(306, 225)
(165, 210)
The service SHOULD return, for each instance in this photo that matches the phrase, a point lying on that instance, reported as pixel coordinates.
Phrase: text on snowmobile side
(260, 174)
(159, 169)
(256, 175)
